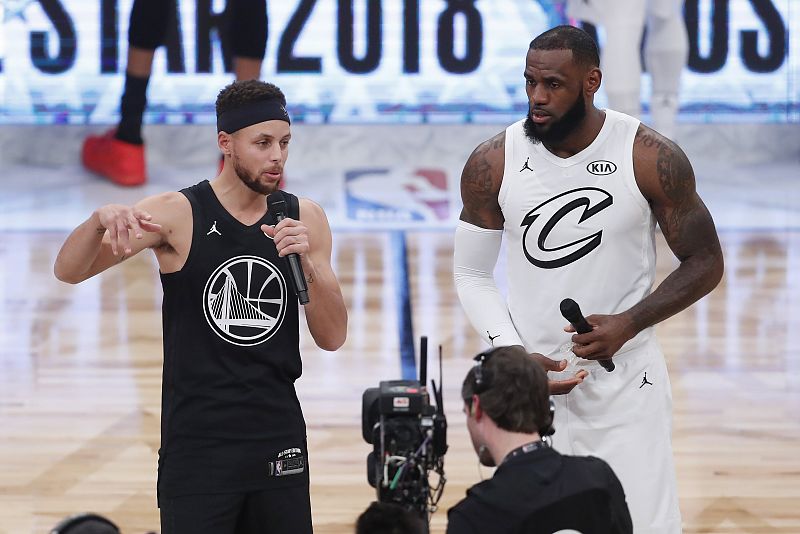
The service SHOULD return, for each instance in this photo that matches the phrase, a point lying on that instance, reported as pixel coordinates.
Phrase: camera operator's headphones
(483, 381)
(85, 524)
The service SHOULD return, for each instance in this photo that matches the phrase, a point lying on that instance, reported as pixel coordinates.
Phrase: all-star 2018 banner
(373, 61)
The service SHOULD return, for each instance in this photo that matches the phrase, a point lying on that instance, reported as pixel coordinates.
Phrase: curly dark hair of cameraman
(515, 394)
(388, 518)
(242, 93)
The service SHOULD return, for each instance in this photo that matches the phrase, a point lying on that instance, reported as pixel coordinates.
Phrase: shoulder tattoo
(478, 185)
(675, 179)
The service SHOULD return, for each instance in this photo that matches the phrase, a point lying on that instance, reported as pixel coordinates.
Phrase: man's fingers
(123, 241)
(148, 226)
(116, 239)
(291, 234)
(560, 387)
(299, 249)
(133, 224)
(142, 215)
(268, 230)
(591, 351)
(594, 320)
(296, 231)
(549, 364)
(585, 339)
(290, 243)
(143, 221)
(112, 237)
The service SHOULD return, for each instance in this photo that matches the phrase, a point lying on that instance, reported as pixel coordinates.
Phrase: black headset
(482, 376)
(483, 381)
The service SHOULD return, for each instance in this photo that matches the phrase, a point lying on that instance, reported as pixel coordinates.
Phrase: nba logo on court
(244, 300)
(397, 195)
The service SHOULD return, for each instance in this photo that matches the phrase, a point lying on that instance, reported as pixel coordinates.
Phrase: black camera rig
(409, 438)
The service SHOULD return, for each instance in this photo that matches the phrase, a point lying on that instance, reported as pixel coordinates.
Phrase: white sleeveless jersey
(575, 227)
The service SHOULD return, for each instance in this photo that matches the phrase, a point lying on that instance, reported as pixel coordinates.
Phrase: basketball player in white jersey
(666, 50)
(576, 192)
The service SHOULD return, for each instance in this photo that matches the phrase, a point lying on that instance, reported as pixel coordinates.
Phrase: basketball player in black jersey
(233, 453)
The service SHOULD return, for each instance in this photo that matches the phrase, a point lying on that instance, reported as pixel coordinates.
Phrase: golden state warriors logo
(244, 300)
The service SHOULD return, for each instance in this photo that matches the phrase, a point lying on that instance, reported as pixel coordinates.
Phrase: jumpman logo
(645, 381)
(491, 337)
(526, 166)
(214, 229)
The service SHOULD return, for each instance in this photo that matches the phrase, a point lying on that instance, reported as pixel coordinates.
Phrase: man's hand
(558, 387)
(291, 237)
(609, 334)
(119, 220)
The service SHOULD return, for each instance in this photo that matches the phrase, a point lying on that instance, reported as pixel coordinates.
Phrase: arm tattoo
(478, 190)
(101, 230)
(477, 179)
(687, 226)
(677, 181)
(648, 139)
(498, 141)
(675, 173)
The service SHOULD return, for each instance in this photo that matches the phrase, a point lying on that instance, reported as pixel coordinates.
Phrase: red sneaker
(119, 161)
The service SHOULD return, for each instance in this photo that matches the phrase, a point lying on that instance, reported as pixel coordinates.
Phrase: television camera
(409, 439)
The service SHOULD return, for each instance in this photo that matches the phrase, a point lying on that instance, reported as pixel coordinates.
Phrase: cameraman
(534, 489)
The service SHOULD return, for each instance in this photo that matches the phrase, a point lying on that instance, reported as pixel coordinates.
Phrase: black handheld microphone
(277, 205)
(572, 313)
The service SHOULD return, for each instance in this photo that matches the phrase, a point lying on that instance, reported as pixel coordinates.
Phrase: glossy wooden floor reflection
(80, 375)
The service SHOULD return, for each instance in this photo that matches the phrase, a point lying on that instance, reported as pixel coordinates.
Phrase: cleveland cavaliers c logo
(244, 300)
(545, 218)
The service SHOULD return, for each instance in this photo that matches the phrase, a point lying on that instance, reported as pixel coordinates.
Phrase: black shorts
(243, 25)
(272, 511)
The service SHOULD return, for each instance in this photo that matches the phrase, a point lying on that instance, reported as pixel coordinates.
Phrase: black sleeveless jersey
(231, 356)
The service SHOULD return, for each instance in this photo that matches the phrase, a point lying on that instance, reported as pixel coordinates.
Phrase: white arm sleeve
(474, 256)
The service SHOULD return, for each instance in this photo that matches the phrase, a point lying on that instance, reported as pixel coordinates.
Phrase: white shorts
(625, 418)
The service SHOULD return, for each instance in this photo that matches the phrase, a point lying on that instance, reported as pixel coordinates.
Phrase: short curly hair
(565, 37)
(241, 93)
(516, 395)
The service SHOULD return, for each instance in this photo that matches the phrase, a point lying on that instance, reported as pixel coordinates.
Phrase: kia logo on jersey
(601, 167)
(553, 237)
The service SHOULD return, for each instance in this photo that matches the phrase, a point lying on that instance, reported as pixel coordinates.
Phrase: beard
(247, 178)
(557, 130)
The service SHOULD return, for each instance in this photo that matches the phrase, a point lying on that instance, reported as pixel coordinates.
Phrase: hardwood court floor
(80, 370)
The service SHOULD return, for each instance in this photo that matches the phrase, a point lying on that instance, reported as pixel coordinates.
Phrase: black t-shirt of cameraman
(534, 489)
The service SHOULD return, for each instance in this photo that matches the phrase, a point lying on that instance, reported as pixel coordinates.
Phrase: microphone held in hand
(277, 205)
(572, 313)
